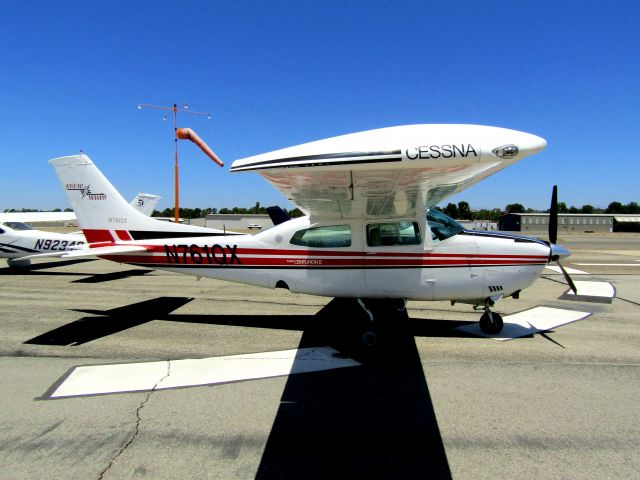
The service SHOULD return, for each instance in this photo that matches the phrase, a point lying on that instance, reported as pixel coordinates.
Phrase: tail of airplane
(145, 203)
(104, 215)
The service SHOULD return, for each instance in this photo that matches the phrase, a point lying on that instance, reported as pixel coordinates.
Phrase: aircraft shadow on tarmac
(376, 420)
(110, 321)
(373, 421)
(339, 324)
(34, 269)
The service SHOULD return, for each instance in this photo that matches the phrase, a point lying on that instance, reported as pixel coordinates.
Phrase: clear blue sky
(280, 73)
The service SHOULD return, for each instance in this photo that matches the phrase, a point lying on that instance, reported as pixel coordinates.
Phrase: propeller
(556, 250)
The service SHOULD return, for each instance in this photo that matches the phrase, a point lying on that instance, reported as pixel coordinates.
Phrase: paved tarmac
(431, 402)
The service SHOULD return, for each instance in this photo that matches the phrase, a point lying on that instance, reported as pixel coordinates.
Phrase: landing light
(506, 151)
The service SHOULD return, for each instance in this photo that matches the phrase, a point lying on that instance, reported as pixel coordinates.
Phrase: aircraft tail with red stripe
(104, 215)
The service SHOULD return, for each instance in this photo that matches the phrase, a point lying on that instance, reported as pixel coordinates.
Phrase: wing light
(506, 151)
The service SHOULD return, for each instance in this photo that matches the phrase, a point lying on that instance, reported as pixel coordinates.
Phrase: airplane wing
(30, 217)
(389, 172)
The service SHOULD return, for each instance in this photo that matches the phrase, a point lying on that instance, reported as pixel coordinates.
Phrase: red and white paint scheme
(370, 231)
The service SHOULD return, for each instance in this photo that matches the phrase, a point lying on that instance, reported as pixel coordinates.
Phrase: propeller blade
(572, 285)
(553, 216)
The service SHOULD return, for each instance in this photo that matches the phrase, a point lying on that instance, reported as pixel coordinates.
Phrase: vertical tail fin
(145, 203)
(103, 214)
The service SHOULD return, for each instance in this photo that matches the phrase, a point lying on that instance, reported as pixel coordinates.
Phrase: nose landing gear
(490, 322)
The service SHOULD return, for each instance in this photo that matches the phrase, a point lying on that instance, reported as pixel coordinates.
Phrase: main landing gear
(490, 322)
(380, 312)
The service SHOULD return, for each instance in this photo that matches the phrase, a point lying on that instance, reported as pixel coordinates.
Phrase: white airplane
(371, 233)
(18, 240)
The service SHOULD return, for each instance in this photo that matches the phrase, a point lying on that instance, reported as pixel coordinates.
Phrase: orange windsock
(188, 134)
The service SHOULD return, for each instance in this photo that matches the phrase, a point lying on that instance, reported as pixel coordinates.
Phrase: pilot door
(393, 259)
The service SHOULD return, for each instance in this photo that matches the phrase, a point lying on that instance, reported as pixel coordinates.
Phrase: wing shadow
(34, 268)
(111, 321)
(108, 277)
(122, 318)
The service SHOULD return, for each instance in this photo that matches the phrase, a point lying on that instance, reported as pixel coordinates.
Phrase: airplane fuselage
(17, 240)
(342, 258)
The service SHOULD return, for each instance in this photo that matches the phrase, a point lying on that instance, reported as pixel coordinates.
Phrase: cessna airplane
(18, 240)
(371, 233)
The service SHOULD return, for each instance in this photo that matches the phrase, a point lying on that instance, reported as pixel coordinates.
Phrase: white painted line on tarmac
(609, 264)
(535, 320)
(134, 377)
(595, 289)
(570, 271)
(599, 292)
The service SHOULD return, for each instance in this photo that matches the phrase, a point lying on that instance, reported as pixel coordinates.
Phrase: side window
(323, 237)
(396, 233)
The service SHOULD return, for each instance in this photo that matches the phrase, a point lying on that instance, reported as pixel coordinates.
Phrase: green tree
(464, 211)
(296, 212)
(615, 207)
(514, 208)
(588, 209)
(633, 207)
(452, 210)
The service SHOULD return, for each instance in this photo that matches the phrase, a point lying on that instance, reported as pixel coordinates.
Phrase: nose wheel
(491, 322)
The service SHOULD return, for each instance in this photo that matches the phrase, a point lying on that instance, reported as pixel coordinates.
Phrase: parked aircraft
(18, 239)
(371, 233)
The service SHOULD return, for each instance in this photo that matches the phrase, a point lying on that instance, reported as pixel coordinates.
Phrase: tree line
(461, 211)
(257, 209)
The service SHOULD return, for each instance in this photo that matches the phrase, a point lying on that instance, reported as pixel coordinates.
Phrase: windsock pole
(175, 129)
(187, 134)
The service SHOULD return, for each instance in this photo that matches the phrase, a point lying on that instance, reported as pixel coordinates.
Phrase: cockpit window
(18, 225)
(441, 225)
(332, 236)
(393, 233)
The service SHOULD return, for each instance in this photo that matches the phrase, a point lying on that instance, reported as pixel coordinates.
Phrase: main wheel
(369, 339)
(491, 323)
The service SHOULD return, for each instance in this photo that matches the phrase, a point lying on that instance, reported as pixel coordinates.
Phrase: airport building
(233, 221)
(570, 222)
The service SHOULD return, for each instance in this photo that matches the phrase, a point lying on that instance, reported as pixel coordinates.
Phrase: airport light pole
(184, 108)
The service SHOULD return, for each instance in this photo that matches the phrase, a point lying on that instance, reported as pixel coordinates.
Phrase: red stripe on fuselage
(94, 236)
(362, 262)
(124, 235)
(341, 253)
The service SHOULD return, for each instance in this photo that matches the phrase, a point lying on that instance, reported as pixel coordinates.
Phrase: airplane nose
(558, 251)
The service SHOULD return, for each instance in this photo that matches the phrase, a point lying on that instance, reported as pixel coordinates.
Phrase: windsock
(188, 134)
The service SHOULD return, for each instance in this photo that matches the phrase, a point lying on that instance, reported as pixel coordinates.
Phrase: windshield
(18, 225)
(441, 225)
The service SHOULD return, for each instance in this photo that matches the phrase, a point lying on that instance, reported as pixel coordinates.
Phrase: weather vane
(183, 134)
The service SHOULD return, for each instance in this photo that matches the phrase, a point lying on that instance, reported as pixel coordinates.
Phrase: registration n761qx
(371, 233)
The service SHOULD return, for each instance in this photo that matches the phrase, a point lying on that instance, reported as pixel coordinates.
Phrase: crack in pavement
(138, 421)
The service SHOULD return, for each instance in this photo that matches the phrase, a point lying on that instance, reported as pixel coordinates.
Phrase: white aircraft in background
(371, 233)
(18, 240)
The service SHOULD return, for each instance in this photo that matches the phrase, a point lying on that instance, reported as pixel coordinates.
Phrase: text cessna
(440, 151)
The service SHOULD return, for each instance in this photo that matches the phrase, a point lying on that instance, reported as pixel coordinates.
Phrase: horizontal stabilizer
(91, 252)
